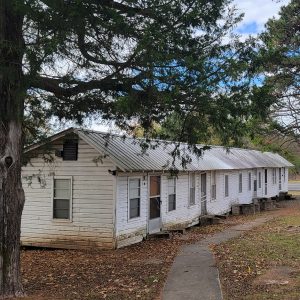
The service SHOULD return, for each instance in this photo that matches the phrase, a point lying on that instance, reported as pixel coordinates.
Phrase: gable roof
(127, 154)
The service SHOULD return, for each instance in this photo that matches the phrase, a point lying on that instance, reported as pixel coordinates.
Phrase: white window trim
(225, 186)
(274, 176)
(70, 204)
(241, 183)
(249, 181)
(189, 194)
(174, 210)
(211, 185)
(128, 199)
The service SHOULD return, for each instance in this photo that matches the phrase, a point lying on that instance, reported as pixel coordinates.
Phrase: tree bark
(11, 147)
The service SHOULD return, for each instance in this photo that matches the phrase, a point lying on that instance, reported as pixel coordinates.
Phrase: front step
(209, 220)
(159, 235)
(177, 230)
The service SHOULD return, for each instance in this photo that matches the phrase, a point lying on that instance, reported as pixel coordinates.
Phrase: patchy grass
(264, 263)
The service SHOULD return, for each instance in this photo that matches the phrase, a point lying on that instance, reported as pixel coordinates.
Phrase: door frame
(155, 220)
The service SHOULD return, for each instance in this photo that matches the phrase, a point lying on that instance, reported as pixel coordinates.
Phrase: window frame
(213, 186)
(274, 181)
(249, 181)
(175, 199)
(192, 174)
(128, 198)
(240, 182)
(70, 219)
(68, 142)
(226, 186)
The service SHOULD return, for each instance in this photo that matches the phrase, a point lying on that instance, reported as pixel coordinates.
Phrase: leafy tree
(124, 60)
(279, 61)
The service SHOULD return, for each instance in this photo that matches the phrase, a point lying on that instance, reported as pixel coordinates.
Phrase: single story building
(91, 189)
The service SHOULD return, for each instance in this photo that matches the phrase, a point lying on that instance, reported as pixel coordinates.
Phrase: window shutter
(70, 151)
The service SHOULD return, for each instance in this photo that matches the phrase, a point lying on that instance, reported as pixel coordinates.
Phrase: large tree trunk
(11, 146)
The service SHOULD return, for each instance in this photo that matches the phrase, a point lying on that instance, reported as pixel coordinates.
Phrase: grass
(264, 263)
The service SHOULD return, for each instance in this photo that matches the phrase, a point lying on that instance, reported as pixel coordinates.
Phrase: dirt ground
(135, 272)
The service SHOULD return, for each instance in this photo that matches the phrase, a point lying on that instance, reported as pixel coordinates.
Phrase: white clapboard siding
(93, 202)
(184, 214)
(223, 204)
(130, 230)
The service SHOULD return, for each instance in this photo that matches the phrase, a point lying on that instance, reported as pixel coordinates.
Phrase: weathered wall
(133, 230)
(93, 202)
(223, 204)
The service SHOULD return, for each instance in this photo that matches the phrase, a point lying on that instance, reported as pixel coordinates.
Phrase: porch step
(222, 216)
(209, 220)
(159, 235)
(177, 230)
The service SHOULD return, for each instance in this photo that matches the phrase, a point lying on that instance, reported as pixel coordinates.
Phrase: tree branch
(55, 86)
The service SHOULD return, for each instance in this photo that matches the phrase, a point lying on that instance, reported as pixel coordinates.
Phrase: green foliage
(279, 60)
(140, 62)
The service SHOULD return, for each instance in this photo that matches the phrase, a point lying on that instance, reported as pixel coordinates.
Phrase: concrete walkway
(194, 275)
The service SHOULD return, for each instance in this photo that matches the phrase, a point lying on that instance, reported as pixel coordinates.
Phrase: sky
(257, 13)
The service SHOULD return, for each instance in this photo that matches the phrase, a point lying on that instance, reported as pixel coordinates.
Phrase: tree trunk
(11, 146)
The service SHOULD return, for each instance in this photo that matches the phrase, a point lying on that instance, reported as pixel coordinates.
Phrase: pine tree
(122, 60)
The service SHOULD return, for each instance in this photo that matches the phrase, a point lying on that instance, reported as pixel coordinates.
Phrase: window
(283, 171)
(226, 185)
(62, 196)
(172, 193)
(213, 185)
(192, 188)
(70, 150)
(134, 197)
(259, 180)
(249, 181)
(266, 181)
(274, 176)
(240, 183)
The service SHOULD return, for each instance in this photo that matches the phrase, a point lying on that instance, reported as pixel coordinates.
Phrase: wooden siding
(131, 231)
(93, 202)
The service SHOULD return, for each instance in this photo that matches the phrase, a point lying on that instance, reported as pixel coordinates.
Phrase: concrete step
(159, 235)
(177, 230)
(209, 220)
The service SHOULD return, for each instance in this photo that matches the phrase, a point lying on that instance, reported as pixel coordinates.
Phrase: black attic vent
(70, 151)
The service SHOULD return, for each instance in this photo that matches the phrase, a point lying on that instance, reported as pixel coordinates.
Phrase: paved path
(194, 275)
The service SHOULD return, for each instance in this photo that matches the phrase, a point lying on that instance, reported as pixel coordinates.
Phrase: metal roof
(127, 154)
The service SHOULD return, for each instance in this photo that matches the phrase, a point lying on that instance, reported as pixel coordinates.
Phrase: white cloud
(258, 12)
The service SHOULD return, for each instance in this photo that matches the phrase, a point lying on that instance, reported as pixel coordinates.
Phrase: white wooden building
(90, 189)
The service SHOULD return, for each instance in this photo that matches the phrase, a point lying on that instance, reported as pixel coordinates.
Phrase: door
(203, 194)
(154, 224)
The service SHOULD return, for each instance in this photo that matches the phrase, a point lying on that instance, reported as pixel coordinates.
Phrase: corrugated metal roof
(128, 155)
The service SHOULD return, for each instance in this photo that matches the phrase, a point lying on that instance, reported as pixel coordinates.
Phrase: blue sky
(257, 13)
